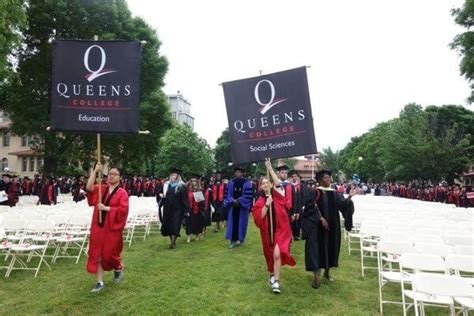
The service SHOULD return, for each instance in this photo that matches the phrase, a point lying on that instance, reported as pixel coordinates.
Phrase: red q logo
(272, 102)
(93, 74)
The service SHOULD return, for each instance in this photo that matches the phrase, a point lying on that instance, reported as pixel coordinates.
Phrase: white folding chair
(464, 239)
(14, 228)
(438, 290)
(140, 218)
(461, 265)
(74, 238)
(438, 249)
(463, 250)
(4, 247)
(421, 238)
(389, 253)
(415, 263)
(369, 237)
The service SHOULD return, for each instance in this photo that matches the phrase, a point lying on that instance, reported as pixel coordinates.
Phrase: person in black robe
(297, 204)
(218, 189)
(173, 197)
(78, 194)
(321, 226)
(208, 203)
(195, 219)
(48, 193)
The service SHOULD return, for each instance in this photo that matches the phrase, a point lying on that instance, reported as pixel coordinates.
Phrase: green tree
(435, 143)
(464, 42)
(184, 149)
(12, 18)
(30, 87)
(330, 159)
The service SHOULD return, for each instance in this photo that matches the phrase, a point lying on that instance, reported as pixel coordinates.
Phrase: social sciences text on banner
(95, 86)
(270, 116)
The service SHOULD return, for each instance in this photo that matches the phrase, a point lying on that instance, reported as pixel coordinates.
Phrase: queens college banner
(95, 86)
(270, 116)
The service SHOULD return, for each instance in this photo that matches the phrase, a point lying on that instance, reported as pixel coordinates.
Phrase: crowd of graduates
(461, 196)
(285, 208)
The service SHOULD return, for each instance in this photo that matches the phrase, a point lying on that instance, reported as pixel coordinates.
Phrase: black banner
(270, 116)
(95, 86)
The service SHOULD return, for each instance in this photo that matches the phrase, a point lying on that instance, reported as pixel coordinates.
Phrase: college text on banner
(95, 86)
(270, 116)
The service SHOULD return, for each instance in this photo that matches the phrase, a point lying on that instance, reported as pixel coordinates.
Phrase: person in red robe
(26, 187)
(276, 244)
(106, 242)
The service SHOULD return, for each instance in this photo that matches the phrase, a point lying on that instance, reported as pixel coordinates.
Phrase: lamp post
(358, 164)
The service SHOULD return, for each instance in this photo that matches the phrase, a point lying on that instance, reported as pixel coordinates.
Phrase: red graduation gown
(282, 230)
(106, 242)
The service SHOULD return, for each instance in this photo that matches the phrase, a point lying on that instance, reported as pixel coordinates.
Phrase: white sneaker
(276, 287)
(271, 280)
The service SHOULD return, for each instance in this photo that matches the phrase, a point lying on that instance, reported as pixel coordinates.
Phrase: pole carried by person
(271, 217)
(106, 237)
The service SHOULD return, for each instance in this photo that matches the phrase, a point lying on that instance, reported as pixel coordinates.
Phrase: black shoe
(328, 278)
(315, 284)
(118, 275)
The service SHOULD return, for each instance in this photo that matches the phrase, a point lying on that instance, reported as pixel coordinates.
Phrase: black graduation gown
(175, 205)
(322, 247)
(195, 219)
(297, 206)
(207, 206)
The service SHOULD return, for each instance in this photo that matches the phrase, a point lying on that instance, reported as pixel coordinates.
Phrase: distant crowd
(417, 190)
(48, 189)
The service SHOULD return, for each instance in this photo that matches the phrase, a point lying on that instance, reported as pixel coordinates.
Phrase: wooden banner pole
(270, 210)
(99, 177)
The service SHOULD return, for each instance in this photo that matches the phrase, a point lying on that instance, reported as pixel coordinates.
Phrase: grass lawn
(203, 277)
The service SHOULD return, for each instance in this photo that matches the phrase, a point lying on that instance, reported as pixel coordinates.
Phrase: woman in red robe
(276, 251)
(106, 243)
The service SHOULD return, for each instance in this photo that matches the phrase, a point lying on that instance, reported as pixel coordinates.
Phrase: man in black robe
(321, 226)
(297, 204)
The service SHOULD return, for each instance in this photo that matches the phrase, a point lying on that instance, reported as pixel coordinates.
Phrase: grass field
(203, 278)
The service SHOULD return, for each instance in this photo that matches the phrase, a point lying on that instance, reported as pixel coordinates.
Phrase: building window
(6, 139)
(39, 163)
(24, 164)
(24, 141)
(4, 164)
(32, 164)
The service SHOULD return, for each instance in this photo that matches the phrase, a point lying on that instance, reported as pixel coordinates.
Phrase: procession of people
(284, 207)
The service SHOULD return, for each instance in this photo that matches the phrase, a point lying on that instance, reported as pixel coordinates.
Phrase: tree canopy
(184, 149)
(27, 98)
(432, 144)
(464, 42)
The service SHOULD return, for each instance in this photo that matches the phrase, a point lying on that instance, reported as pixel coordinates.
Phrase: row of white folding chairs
(17, 228)
(38, 236)
(369, 236)
(410, 263)
(140, 218)
(413, 225)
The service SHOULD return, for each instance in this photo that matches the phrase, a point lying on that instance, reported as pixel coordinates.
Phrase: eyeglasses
(113, 174)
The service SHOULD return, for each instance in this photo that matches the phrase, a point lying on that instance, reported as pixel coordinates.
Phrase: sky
(367, 58)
